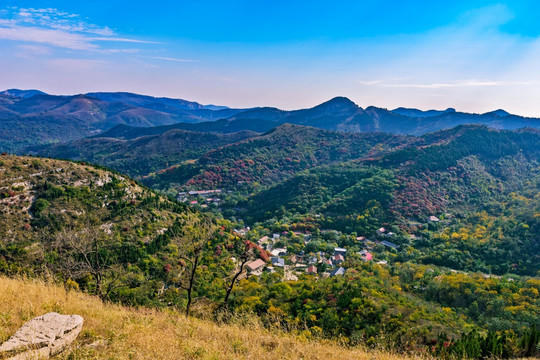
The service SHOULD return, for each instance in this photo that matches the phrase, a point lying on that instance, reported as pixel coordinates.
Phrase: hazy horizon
(474, 56)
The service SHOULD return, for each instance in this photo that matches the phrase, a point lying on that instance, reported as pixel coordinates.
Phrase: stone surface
(42, 337)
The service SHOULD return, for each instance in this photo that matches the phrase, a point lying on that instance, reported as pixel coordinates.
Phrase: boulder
(42, 337)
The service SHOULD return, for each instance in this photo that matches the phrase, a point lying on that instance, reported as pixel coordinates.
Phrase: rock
(42, 337)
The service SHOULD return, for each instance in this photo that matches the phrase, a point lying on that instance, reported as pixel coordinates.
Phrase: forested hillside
(143, 155)
(100, 232)
(274, 157)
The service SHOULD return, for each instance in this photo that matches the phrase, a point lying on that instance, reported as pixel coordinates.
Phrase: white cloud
(52, 37)
(55, 28)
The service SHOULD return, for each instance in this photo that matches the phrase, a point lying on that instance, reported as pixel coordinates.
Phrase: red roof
(312, 269)
(254, 265)
(368, 256)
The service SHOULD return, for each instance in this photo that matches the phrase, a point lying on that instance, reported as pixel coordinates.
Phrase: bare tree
(191, 240)
(75, 254)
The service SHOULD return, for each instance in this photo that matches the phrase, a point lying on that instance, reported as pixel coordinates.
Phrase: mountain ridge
(33, 117)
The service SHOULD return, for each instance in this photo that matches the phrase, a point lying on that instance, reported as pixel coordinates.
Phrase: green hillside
(273, 157)
(143, 155)
(484, 187)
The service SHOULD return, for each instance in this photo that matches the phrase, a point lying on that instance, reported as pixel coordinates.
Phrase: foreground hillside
(80, 223)
(99, 232)
(115, 332)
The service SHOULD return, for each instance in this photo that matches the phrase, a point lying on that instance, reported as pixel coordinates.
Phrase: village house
(312, 260)
(340, 251)
(255, 267)
(338, 272)
(367, 256)
(203, 193)
(279, 252)
(242, 232)
(433, 219)
(389, 244)
(312, 270)
(329, 263)
(263, 240)
(381, 231)
(277, 261)
(338, 259)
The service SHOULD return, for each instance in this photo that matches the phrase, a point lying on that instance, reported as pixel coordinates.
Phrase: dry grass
(123, 333)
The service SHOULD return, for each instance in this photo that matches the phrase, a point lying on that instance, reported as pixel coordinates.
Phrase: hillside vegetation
(143, 155)
(79, 223)
(485, 181)
(273, 157)
(116, 332)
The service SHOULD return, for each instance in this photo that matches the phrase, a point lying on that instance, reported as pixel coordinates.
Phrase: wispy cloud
(51, 37)
(458, 83)
(56, 28)
(118, 39)
(173, 59)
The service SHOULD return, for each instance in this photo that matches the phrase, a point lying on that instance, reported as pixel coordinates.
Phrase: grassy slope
(127, 333)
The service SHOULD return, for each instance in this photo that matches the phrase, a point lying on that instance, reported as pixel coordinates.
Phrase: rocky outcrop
(42, 337)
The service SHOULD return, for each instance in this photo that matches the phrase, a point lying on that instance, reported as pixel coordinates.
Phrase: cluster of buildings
(294, 265)
(320, 264)
(203, 198)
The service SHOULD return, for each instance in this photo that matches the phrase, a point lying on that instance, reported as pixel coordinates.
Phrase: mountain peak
(501, 112)
(22, 93)
(337, 103)
(340, 100)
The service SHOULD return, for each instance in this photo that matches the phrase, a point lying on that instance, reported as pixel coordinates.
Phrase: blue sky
(472, 55)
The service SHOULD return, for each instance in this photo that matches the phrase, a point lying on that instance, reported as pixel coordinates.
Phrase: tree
(191, 240)
(248, 252)
(76, 254)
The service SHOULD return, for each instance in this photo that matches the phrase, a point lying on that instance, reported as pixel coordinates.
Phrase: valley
(311, 222)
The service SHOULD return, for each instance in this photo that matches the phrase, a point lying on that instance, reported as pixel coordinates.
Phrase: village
(295, 264)
(303, 258)
(202, 198)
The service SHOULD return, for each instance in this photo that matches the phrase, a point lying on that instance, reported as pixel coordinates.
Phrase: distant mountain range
(31, 117)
